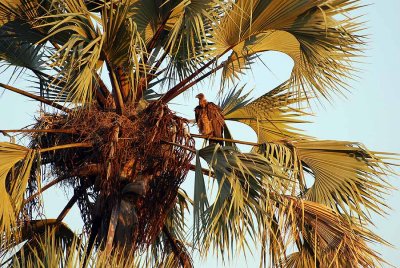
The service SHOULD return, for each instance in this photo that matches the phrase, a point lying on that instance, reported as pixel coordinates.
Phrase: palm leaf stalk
(125, 153)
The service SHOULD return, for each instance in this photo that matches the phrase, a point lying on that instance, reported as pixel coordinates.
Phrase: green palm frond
(77, 58)
(345, 176)
(123, 45)
(48, 252)
(188, 38)
(242, 182)
(250, 207)
(234, 100)
(321, 43)
(200, 200)
(21, 54)
(271, 115)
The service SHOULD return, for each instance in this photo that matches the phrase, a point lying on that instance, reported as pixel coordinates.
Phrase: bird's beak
(198, 96)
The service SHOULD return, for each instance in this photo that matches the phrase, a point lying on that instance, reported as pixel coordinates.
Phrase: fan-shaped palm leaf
(15, 168)
(320, 43)
(271, 115)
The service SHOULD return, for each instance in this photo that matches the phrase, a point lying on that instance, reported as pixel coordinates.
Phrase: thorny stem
(101, 92)
(183, 89)
(32, 96)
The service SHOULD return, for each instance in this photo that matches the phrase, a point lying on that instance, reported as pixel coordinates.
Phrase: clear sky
(368, 115)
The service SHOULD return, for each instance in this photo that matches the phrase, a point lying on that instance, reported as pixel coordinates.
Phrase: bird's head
(200, 96)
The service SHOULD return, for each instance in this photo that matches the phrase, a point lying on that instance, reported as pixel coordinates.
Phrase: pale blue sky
(368, 115)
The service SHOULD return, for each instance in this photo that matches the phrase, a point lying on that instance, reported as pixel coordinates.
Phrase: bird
(209, 118)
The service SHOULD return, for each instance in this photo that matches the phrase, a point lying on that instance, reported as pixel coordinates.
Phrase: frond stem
(223, 139)
(32, 96)
(68, 207)
(184, 88)
(205, 171)
(66, 146)
(176, 90)
(179, 145)
(119, 101)
(44, 188)
(67, 131)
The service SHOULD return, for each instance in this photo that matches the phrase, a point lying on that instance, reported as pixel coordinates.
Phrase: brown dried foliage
(141, 153)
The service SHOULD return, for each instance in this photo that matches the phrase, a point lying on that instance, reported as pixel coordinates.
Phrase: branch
(176, 90)
(119, 101)
(32, 96)
(223, 139)
(179, 145)
(66, 146)
(183, 89)
(44, 188)
(70, 203)
(68, 207)
(39, 130)
(87, 170)
(205, 171)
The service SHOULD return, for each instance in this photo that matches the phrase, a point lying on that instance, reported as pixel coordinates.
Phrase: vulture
(209, 118)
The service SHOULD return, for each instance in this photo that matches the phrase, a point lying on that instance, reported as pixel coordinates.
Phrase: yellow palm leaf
(271, 116)
(13, 182)
(347, 176)
(320, 44)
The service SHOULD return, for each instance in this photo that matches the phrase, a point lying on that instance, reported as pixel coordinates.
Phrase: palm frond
(18, 46)
(327, 236)
(15, 168)
(271, 116)
(200, 201)
(77, 59)
(321, 43)
(234, 100)
(348, 177)
(230, 222)
(188, 41)
(33, 233)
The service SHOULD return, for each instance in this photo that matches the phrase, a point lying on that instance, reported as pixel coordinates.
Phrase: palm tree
(125, 153)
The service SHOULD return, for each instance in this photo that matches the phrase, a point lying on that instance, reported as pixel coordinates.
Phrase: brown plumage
(209, 118)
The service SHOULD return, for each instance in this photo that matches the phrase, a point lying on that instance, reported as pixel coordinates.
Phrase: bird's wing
(197, 113)
(215, 115)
